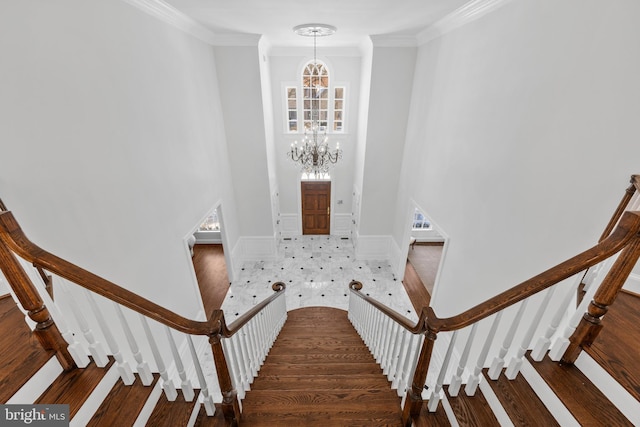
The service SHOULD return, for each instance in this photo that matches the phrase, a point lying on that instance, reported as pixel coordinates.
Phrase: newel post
(590, 325)
(230, 405)
(46, 330)
(413, 401)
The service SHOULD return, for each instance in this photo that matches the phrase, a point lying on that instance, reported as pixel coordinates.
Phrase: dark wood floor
(425, 259)
(617, 346)
(211, 272)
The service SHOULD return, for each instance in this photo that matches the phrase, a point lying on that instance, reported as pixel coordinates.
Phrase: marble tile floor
(317, 271)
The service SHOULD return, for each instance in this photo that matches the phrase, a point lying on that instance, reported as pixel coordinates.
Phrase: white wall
(527, 121)
(285, 69)
(112, 141)
(241, 95)
(391, 84)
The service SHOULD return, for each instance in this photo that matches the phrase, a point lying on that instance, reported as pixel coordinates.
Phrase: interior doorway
(426, 250)
(210, 262)
(316, 207)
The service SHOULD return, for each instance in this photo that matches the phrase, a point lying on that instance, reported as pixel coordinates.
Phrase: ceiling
(354, 19)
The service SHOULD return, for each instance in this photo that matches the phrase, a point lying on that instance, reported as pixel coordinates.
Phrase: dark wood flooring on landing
(211, 272)
(21, 355)
(425, 259)
(617, 347)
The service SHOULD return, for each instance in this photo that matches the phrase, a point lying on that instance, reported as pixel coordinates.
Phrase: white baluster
(456, 380)
(407, 364)
(544, 342)
(234, 370)
(95, 347)
(378, 338)
(396, 364)
(384, 324)
(246, 358)
(434, 399)
(498, 361)
(562, 341)
(388, 356)
(75, 347)
(516, 361)
(207, 399)
(167, 385)
(187, 388)
(474, 379)
(236, 341)
(121, 364)
(143, 367)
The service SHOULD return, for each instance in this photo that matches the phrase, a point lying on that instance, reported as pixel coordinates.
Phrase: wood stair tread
(73, 387)
(327, 357)
(292, 400)
(432, 419)
(176, 413)
(586, 402)
(123, 403)
(617, 346)
(312, 369)
(334, 382)
(22, 355)
(217, 420)
(472, 410)
(520, 401)
(367, 418)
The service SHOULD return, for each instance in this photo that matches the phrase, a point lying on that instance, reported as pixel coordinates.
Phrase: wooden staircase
(319, 372)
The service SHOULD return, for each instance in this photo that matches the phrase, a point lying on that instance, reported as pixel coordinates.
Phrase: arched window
(315, 92)
(319, 101)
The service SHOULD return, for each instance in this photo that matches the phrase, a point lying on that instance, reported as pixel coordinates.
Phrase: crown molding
(394, 40)
(172, 16)
(465, 14)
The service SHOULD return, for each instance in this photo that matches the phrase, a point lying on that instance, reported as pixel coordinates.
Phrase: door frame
(299, 196)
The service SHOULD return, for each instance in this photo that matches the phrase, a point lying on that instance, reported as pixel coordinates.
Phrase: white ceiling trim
(172, 16)
(469, 12)
(394, 40)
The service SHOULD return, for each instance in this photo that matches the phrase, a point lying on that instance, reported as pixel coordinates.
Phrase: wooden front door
(316, 207)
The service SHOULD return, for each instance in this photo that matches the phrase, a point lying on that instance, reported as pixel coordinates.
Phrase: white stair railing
(167, 384)
(76, 349)
(96, 349)
(124, 369)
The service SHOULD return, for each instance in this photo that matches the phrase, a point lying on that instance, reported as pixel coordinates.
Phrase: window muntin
(315, 90)
(211, 223)
(338, 108)
(315, 95)
(420, 222)
(292, 108)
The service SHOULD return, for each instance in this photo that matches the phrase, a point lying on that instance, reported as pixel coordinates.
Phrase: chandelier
(313, 155)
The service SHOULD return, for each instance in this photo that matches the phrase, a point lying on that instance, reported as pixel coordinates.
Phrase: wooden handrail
(418, 328)
(15, 239)
(625, 237)
(229, 331)
(622, 206)
(627, 228)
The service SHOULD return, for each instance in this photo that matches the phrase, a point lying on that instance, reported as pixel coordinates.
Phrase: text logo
(34, 415)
